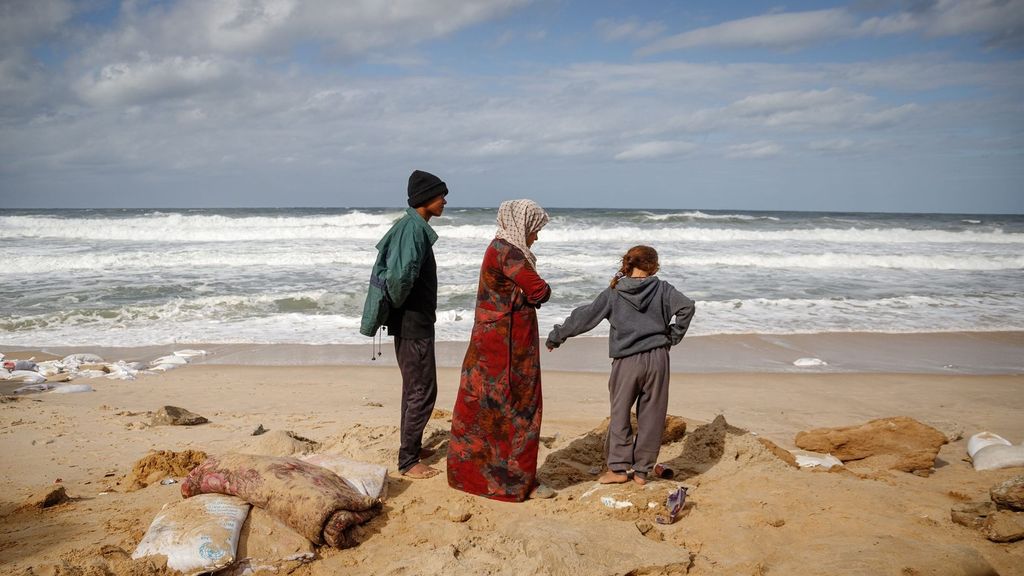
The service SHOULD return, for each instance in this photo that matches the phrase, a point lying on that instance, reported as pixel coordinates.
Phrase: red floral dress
(496, 421)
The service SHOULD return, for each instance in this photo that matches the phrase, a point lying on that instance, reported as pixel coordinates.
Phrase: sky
(864, 105)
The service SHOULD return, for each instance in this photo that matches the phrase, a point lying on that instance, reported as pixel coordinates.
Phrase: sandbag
(312, 500)
(998, 456)
(197, 535)
(368, 479)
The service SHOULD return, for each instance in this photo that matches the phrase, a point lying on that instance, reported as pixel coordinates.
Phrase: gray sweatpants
(419, 392)
(641, 379)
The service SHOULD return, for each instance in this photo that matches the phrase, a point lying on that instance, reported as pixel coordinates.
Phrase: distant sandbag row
(53, 375)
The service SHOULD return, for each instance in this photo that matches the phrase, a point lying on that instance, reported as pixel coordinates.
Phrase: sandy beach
(747, 511)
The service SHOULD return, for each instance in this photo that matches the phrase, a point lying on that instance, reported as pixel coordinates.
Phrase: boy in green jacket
(403, 296)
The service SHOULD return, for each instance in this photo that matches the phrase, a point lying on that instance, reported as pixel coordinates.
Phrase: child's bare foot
(421, 471)
(612, 477)
(641, 480)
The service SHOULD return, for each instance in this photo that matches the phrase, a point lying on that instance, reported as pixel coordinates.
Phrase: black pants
(419, 392)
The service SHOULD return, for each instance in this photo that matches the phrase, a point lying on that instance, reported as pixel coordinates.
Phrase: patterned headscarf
(517, 219)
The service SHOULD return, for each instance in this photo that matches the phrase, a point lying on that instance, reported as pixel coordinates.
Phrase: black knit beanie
(423, 186)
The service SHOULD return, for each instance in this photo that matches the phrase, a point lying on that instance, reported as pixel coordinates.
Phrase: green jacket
(400, 256)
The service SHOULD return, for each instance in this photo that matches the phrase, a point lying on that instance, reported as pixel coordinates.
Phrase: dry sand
(747, 512)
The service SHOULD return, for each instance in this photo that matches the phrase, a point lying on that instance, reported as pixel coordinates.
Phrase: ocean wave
(632, 235)
(697, 215)
(178, 228)
(324, 318)
(174, 228)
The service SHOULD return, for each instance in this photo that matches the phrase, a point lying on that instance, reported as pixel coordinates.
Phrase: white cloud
(631, 29)
(25, 23)
(655, 149)
(785, 30)
(999, 22)
(146, 79)
(754, 150)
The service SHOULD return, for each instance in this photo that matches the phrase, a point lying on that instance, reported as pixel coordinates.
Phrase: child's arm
(581, 320)
(683, 309)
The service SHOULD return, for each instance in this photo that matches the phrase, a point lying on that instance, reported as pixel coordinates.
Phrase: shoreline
(842, 352)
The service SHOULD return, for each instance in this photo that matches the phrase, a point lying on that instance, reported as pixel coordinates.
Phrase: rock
(259, 430)
(47, 497)
(913, 444)
(952, 430)
(972, 514)
(1004, 526)
(174, 416)
(780, 452)
(1009, 494)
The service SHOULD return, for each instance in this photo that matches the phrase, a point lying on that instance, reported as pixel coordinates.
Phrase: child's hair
(642, 257)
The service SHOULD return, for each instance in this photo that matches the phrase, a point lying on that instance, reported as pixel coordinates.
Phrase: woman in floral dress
(496, 421)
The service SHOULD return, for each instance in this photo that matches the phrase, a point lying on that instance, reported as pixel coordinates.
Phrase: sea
(134, 277)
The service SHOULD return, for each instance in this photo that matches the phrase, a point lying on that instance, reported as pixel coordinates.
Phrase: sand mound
(279, 443)
(161, 464)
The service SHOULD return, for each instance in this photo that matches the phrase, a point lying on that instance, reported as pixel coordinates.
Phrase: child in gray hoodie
(640, 309)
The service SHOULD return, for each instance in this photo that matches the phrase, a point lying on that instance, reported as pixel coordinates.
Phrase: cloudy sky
(865, 105)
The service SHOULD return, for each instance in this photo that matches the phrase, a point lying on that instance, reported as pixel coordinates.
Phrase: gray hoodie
(640, 312)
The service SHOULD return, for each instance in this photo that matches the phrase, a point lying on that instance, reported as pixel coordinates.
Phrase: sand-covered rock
(898, 443)
(1004, 526)
(47, 497)
(1009, 493)
(175, 416)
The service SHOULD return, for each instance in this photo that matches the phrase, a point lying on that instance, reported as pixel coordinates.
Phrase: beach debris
(160, 464)
(168, 481)
(47, 497)
(72, 389)
(81, 358)
(26, 376)
(312, 500)
(34, 388)
(174, 360)
(897, 443)
(809, 362)
(197, 535)
(664, 472)
(175, 416)
(673, 505)
(780, 452)
(990, 451)
(259, 430)
(611, 502)
(15, 365)
(1009, 493)
(814, 460)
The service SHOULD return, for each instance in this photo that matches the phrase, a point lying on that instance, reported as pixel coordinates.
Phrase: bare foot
(421, 471)
(612, 477)
(641, 480)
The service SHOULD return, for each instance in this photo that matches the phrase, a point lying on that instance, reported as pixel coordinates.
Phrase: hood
(639, 292)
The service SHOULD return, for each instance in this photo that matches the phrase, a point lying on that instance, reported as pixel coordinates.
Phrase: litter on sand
(674, 505)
